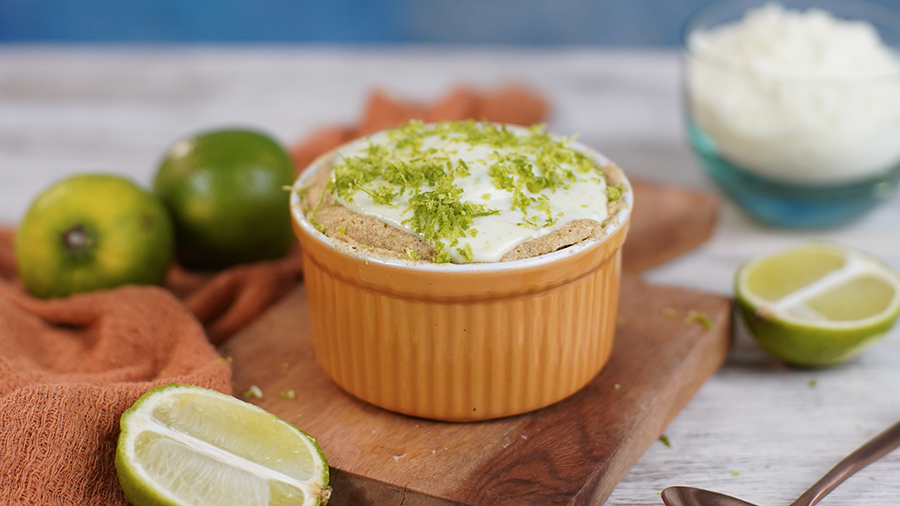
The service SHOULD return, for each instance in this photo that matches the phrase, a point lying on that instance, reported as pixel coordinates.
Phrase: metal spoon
(873, 450)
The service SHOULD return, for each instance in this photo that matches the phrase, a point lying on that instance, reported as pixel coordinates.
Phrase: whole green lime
(90, 232)
(226, 192)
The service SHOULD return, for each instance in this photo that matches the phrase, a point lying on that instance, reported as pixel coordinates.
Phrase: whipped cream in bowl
(794, 107)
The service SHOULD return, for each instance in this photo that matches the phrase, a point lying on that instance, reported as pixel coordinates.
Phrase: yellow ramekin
(462, 342)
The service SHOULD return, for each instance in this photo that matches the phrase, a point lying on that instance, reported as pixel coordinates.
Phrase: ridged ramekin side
(462, 360)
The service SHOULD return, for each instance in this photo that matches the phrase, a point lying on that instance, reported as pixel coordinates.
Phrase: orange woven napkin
(508, 104)
(69, 367)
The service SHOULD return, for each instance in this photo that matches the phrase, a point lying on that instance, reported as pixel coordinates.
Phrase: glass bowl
(807, 147)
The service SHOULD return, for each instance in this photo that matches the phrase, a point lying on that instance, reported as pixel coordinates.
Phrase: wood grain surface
(668, 221)
(573, 452)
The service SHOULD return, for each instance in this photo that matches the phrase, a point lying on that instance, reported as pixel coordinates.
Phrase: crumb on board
(698, 317)
(254, 391)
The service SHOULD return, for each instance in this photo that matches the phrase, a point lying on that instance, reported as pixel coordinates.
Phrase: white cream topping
(582, 194)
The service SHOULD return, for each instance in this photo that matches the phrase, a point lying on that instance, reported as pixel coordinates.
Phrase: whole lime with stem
(90, 232)
(226, 191)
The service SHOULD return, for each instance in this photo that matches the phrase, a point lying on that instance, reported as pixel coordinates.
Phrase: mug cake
(462, 270)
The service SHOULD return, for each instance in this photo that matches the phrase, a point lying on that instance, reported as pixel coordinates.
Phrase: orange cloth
(69, 367)
(509, 104)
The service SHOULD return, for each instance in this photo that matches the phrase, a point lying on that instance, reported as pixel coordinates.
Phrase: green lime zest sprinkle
(527, 164)
(319, 203)
(411, 254)
(698, 317)
(316, 225)
(614, 193)
(665, 440)
(382, 195)
(466, 253)
(341, 229)
(441, 216)
(287, 394)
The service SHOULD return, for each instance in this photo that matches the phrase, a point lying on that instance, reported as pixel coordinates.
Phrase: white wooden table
(756, 429)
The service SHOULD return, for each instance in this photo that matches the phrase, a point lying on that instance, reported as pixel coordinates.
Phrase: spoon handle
(873, 450)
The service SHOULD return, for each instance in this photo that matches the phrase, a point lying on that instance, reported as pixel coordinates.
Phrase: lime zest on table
(698, 317)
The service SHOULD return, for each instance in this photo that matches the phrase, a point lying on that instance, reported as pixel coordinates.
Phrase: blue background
(496, 22)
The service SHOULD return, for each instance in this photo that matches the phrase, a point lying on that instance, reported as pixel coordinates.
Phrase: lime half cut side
(184, 445)
(818, 303)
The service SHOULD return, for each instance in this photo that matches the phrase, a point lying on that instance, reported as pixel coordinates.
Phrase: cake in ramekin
(462, 270)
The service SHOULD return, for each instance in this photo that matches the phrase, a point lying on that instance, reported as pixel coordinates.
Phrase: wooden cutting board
(667, 221)
(571, 453)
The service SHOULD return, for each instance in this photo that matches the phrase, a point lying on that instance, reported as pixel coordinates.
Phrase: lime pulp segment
(185, 445)
(200, 473)
(254, 436)
(822, 287)
(779, 275)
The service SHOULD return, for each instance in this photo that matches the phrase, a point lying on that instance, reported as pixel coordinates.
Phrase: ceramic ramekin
(462, 342)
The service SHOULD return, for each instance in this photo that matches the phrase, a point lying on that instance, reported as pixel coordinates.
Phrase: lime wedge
(185, 445)
(818, 303)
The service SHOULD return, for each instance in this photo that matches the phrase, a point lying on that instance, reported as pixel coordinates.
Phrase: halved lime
(819, 303)
(185, 445)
